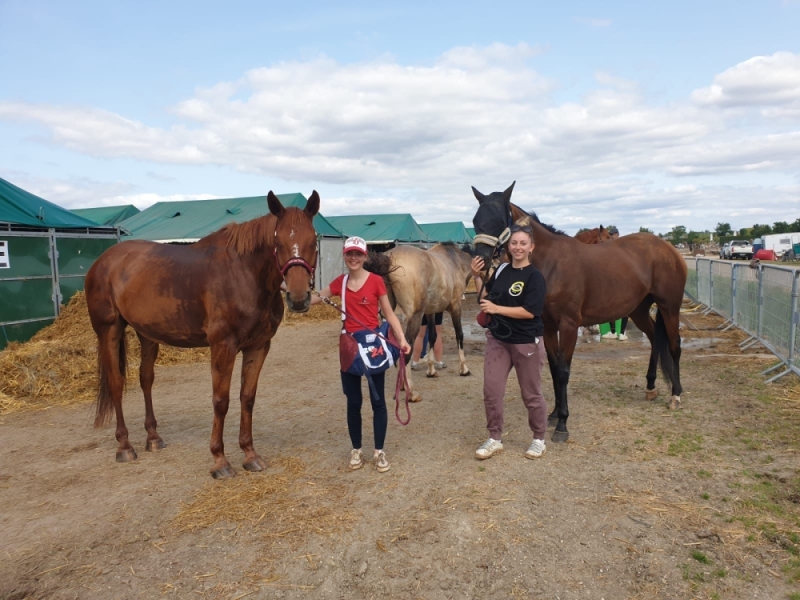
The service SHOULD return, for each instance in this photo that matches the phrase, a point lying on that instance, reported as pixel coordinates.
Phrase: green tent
(471, 231)
(190, 220)
(381, 229)
(447, 232)
(18, 207)
(107, 215)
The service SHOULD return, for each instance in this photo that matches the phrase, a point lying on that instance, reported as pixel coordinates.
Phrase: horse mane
(380, 264)
(251, 236)
(525, 220)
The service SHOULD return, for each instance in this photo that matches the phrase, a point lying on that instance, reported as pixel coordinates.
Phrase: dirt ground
(640, 503)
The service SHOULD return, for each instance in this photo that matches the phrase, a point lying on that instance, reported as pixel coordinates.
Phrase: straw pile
(58, 366)
(318, 312)
(286, 506)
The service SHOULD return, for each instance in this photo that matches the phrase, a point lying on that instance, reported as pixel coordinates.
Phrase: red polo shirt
(363, 304)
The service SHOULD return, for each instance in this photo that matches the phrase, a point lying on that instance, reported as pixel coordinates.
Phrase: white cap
(355, 243)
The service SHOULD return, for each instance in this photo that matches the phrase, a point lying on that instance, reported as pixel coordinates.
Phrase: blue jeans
(351, 386)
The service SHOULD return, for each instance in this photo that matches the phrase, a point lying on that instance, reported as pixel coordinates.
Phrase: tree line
(724, 232)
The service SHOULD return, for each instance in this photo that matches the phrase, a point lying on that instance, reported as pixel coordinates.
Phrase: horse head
(492, 223)
(296, 249)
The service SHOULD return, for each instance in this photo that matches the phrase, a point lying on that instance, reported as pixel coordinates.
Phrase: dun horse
(425, 282)
(598, 235)
(222, 292)
(591, 284)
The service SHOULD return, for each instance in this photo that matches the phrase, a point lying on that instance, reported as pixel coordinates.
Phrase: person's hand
(477, 266)
(404, 347)
(490, 308)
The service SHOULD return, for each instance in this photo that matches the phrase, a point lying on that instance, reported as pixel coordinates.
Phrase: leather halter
(296, 261)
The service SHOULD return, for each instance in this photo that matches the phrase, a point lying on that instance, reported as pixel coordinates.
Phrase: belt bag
(366, 352)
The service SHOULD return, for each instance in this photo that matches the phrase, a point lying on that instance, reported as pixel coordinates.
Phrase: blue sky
(628, 113)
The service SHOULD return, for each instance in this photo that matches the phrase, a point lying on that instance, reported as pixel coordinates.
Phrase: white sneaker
(488, 449)
(609, 336)
(381, 464)
(440, 365)
(356, 459)
(536, 449)
(622, 337)
(415, 366)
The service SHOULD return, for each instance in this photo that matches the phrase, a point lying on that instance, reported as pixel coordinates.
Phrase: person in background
(613, 334)
(421, 340)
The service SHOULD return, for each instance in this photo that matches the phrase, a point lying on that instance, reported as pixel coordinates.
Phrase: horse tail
(661, 341)
(382, 265)
(105, 397)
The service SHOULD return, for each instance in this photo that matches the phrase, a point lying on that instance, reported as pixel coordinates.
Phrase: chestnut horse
(222, 292)
(598, 235)
(425, 282)
(591, 284)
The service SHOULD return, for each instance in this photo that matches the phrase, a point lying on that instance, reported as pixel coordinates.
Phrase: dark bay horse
(222, 292)
(425, 282)
(598, 235)
(591, 284)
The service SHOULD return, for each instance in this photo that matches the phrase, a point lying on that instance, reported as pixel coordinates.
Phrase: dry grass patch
(287, 505)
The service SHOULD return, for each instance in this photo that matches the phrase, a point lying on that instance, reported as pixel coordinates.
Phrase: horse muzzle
(298, 307)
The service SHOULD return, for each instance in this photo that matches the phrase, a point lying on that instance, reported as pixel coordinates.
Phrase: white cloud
(412, 138)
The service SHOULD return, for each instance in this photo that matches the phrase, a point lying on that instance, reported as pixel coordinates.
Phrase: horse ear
(602, 229)
(275, 206)
(480, 197)
(312, 206)
(507, 193)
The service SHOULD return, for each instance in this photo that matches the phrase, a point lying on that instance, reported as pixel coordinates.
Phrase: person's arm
(386, 309)
(477, 268)
(513, 312)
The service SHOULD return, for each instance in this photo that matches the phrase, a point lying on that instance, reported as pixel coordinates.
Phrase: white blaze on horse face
(295, 249)
(291, 234)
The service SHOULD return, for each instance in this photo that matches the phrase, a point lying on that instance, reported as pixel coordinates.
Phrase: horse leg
(641, 318)
(252, 362)
(146, 377)
(455, 317)
(551, 346)
(670, 324)
(223, 355)
(567, 337)
(112, 363)
(431, 329)
(412, 329)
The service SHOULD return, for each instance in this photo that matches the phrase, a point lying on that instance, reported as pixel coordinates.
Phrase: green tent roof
(447, 232)
(19, 207)
(471, 231)
(380, 229)
(192, 219)
(107, 215)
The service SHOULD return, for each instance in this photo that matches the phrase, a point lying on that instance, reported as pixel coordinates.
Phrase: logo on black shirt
(516, 288)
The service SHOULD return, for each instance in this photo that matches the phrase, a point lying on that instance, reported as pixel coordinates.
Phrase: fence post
(793, 320)
(733, 298)
(760, 326)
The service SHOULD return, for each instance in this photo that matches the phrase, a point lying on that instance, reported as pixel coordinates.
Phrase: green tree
(781, 227)
(645, 230)
(723, 229)
(677, 234)
(582, 229)
(795, 226)
(759, 230)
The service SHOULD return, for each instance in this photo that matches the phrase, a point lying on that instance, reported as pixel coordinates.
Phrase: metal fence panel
(746, 302)
(691, 278)
(776, 310)
(704, 281)
(721, 288)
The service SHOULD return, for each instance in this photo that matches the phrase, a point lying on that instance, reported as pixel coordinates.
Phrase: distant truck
(779, 243)
(740, 249)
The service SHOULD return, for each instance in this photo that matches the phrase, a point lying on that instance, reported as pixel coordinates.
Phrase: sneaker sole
(383, 469)
(356, 467)
(534, 456)
(479, 457)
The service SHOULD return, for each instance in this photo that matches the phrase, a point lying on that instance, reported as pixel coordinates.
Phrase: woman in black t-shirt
(514, 299)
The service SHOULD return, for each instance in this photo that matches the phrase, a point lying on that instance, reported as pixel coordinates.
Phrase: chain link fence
(760, 300)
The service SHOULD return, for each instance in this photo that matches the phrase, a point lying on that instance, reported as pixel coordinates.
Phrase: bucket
(606, 327)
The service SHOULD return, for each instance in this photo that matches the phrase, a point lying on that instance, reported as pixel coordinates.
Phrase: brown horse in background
(598, 235)
(222, 292)
(425, 282)
(591, 284)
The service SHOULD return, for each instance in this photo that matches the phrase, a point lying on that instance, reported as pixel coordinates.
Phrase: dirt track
(641, 503)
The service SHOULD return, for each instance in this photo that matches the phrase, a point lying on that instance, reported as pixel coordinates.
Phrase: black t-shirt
(523, 287)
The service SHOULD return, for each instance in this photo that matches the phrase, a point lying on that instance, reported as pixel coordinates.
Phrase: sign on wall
(5, 262)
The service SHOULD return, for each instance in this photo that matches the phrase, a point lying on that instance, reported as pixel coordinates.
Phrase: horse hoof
(153, 445)
(434, 374)
(559, 437)
(650, 395)
(225, 472)
(416, 398)
(255, 464)
(126, 455)
(674, 403)
(467, 373)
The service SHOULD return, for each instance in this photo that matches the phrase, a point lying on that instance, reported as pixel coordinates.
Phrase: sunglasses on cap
(525, 228)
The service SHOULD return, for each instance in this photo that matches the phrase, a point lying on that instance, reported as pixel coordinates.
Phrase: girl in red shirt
(366, 293)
